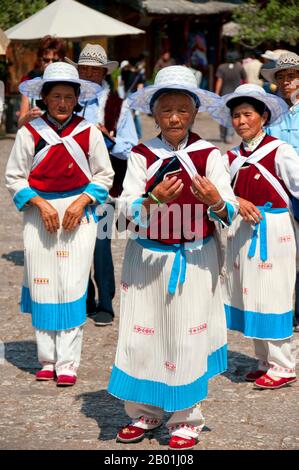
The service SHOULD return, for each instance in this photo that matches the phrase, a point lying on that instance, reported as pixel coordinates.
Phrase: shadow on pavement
(106, 410)
(23, 355)
(16, 257)
(238, 366)
(110, 416)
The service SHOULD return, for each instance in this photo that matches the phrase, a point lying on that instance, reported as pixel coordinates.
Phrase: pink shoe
(45, 375)
(181, 443)
(66, 380)
(267, 382)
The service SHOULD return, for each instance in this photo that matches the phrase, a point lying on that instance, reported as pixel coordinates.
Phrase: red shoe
(130, 433)
(66, 380)
(179, 443)
(45, 375)
(253, 375)
(267, 382)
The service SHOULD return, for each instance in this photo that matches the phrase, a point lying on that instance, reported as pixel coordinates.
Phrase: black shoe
(103, 319)
(91, 309)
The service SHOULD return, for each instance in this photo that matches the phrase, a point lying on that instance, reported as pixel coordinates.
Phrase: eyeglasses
(47, 60)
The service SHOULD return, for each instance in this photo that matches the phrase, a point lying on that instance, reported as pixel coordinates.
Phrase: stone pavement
(35, 415)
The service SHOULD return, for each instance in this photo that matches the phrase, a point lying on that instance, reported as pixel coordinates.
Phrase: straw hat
(59, 72)
(172, 78)
(287, 60)
(95, 56)
(276, 105)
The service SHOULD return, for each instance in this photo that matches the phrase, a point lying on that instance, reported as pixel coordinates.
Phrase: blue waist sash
(261, 228)
(178, 270)
(62, 194)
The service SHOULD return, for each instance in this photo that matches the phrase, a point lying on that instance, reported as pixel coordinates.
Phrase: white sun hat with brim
(270, 55)
(94, 55)
(287, 60)
(59, 72)
(173, 78)
(222, 113)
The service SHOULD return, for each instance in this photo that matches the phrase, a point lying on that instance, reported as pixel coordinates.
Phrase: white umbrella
(70, 20)
(4, 41)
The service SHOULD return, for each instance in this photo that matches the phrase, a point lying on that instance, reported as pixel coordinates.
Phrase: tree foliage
(12, 12)
(267, 21)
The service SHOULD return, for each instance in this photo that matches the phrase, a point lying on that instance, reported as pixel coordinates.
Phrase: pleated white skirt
(57, 267)
(169, 345)
(259, 296)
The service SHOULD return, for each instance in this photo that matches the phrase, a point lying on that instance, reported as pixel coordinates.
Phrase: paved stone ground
(35, 415)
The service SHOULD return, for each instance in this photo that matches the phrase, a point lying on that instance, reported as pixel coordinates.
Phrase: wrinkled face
(247, 122)
(91, 73)
(288, 82)
(60, 102)
(174, 113)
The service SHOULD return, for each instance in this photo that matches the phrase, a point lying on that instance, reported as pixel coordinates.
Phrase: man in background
(113, 117)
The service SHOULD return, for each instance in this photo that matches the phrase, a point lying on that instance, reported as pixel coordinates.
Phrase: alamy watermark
(124, 220)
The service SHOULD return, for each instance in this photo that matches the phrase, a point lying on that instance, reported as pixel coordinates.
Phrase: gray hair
(173, 92)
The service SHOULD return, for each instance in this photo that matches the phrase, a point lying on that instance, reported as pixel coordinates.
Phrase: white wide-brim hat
(94, 55)
(59, 72)
(172, 78)
(287, 60)
(270, 55)
(222, 113)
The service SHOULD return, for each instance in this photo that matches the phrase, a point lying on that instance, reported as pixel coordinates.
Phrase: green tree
(267, 21)
(12, 12)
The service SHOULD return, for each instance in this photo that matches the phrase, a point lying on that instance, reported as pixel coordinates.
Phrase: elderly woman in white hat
(58, 166)
(172, 337)
(261, 250)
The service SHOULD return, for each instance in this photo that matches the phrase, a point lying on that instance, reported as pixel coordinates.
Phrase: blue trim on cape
(96, 191)
(48, 316)
(137, 211)
(168, 397)
(230, 214)
(22, 197)
(260, 325)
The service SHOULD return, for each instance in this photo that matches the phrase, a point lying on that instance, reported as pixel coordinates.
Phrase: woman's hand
(105, 131)
(205, 191)
(30, 115)
(168, 190)
(249, 212)
(34, 113)
(74, 212)
(48, 213)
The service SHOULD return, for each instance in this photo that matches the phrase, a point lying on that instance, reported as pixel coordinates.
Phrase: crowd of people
(78, 153)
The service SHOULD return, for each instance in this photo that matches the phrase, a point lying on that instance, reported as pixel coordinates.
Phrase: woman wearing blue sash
(172, 336)
(57, 172)
(261, 245)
